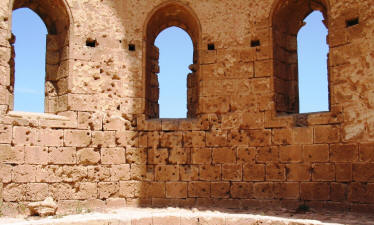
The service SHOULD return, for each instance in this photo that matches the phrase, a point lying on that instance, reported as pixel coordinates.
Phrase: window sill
(36, 116)
(173, 124)
(39, 120)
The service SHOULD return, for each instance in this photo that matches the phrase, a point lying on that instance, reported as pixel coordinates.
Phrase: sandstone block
(36, 155)
(50, 137)
(127, 189)
(265, 190)
(158, 156)
(302, 135)
(14, 192)
(216, 138)
(201, 155)
(136, 155)
(103, 139)
(290, 153)
(194, 139)
(5, 133)
(281, 136)
(88, 156)
(176, 190)
(224, 155)
(252, 120)
(142, 172)
(289, 190)
(241, 190)
(343, 153)
(323, 172)
(210, 172)
(25, 136)
(367, 152)
(170, 140)
(77, 138)
(259, 138)
(198, 189)
(151, 190)
(166, 173)
(316, 153)
(179, 156)
(220, 189)
(246, 155)
(113, 156)
(189, 172)
(127, 138)
(89, 121)
(98, 173)
(275, 172)
(363, 172)
(48, 174)
(231, 172)
(73, 174)
(23, 174)
(10, 154)
(326, 134)
(315, 191)
(298, 172)
(153, 139)
(339, 192)
(267, 154)
(108, 189)
(36, 191)
(120, 172)
(62, 155)
(263, 68)
(254, 172)
(85, 190)
(343, 172)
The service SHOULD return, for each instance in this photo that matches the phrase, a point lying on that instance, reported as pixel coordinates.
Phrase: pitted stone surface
(243, 144)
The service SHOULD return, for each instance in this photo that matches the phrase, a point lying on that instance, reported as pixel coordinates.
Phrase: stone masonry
(100, 142)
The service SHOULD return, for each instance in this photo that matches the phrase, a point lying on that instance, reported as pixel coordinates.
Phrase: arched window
(312, 61)
(176, 52)
(288, 17)
(30, 49)
(57, 21)
(165, 16)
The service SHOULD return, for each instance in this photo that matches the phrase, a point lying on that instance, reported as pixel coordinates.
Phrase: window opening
(175, 56)
(30, 60)
(312, 65)
(352, 22)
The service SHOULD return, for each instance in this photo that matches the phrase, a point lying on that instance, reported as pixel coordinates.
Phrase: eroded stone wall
(101, 150)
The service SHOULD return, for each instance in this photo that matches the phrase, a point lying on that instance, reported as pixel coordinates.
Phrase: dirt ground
(171, 216)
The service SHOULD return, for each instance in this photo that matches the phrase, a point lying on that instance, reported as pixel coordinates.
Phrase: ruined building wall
(100, 142)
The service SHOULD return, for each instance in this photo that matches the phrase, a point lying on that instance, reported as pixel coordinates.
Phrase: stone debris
(48, 207)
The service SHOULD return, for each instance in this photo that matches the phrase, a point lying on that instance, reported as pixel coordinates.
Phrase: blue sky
(176, 52)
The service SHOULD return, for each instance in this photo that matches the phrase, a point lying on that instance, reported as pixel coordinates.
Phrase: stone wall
(237, 149)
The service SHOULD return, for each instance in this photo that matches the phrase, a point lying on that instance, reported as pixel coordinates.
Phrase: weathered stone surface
(244, 138)
(47, 207)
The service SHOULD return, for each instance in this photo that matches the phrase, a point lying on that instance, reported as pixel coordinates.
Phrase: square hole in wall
(255, 43)
(211, 47)
(132, 48)
(351, 22)
(91, 42)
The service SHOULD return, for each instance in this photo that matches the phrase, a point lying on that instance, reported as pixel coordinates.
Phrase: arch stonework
(285, 49)
(104, 144)
(172, 13)
(57, 18)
